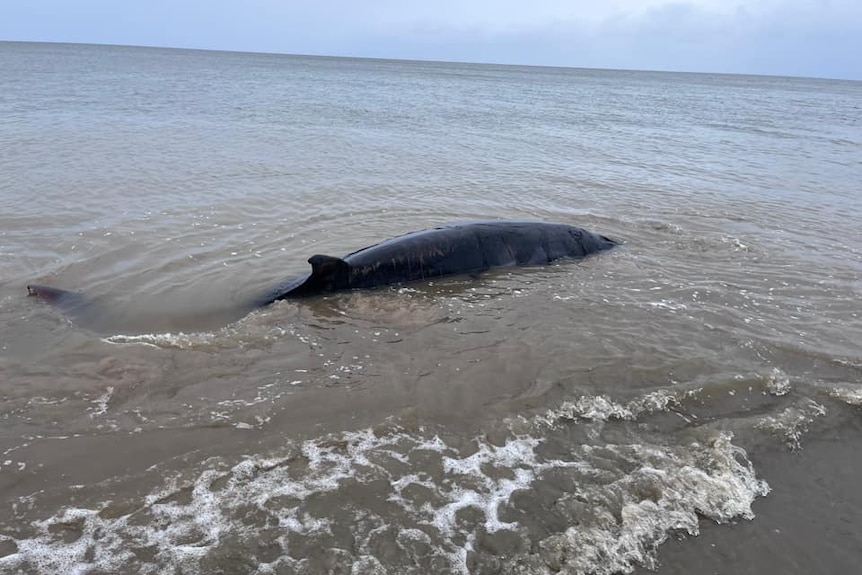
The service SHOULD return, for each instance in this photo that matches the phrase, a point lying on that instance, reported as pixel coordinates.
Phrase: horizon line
(431, 60)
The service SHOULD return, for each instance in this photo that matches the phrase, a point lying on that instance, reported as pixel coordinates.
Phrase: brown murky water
(705, 377)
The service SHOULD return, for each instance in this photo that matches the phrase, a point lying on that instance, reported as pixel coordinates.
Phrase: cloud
(797, 37)
(510, 16)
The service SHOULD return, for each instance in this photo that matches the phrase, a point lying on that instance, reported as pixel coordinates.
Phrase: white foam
(101, 402)
(668, 304)
(179, 340)
(777, 382)
(849, 394)
(793, 421)
(51, 554)
(603, 408)
(645, 491)
(517, 455)
(707, 479)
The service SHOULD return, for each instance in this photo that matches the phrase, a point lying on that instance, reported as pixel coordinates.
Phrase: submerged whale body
(455, 249)
(466, 248)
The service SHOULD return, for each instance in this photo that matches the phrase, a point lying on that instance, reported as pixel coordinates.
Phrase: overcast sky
(821, 38)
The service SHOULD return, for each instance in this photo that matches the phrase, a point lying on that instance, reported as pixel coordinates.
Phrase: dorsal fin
(324, 266)
(327, 274)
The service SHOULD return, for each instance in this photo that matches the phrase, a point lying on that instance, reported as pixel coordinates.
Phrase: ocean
(688, 402)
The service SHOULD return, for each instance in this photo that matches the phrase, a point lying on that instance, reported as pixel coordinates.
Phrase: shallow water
(568, 418)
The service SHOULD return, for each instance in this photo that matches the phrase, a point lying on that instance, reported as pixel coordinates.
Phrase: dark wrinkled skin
(468, 248)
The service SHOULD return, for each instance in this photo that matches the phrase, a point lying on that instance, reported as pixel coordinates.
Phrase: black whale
(443, 251)
(466, 248)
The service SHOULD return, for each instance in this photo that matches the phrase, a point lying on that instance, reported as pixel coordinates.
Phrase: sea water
(705, 377)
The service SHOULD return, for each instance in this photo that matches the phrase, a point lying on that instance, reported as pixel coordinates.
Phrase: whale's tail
(106, 316)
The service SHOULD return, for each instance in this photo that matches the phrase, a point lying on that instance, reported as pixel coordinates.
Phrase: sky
(816, 38)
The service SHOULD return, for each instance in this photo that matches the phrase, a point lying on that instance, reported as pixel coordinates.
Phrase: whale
(467, 248)
(454, 249)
